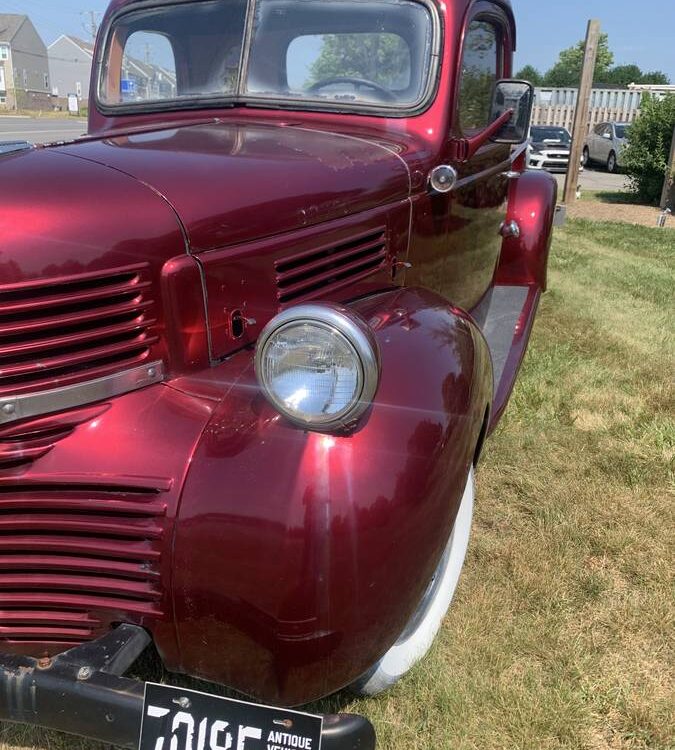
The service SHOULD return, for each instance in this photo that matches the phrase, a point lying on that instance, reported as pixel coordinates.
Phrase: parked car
(549, 148)
(605, 144)
(255, 331)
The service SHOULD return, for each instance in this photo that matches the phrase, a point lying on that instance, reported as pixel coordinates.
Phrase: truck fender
(299, 558)
(531, 204)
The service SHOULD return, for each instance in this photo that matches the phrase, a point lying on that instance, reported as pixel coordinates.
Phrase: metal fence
(557, 106)
(563, 116)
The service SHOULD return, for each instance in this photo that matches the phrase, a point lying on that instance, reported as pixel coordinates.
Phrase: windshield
(551, 135)
(621, 130)
(325, 53)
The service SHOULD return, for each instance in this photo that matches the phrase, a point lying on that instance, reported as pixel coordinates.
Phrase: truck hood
(62, 217)
(232, 182)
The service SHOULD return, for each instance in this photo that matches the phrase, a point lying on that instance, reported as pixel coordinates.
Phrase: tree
(622, 75)
(646, 154)
(531, 74)
(567, 70)
(382, 58)
(655, 78)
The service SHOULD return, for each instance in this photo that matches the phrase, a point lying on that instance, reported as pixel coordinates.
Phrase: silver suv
(605, 144)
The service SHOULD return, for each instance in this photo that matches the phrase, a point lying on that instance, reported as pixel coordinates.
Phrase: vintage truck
(255, 327)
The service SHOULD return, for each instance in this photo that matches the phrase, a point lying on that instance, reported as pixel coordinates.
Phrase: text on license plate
(176, 719)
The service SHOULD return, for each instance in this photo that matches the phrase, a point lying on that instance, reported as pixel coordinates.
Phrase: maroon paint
(297, 558)
(301, 568)
(532, 201)
(118, 475)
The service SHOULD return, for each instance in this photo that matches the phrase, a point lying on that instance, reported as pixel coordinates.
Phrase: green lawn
(562, 633)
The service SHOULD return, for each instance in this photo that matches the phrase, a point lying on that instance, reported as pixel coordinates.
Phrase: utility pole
(668, 194)
(91, 23)
(582, 110)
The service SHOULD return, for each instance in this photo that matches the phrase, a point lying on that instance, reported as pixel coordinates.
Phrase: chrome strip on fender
(47, 402)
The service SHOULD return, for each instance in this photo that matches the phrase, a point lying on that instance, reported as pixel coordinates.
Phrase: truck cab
(255, 327)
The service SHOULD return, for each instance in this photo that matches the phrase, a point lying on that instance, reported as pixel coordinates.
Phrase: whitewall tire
(420, 633)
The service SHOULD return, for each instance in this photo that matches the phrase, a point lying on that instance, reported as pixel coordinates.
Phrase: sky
(639, 32)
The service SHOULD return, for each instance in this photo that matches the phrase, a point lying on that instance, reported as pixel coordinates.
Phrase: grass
(561, 635)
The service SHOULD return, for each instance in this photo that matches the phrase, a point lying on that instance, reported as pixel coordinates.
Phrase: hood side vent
(324, 270)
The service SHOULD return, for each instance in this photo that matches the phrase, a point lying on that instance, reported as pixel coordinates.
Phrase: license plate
(175, 719)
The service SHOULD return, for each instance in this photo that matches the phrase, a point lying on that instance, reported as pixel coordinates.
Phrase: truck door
(466, 239)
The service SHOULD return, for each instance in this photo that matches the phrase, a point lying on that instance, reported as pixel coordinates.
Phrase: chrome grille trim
(15, 408)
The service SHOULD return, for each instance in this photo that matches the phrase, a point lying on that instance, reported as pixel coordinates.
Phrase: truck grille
(324, 270)
(76, 557)
(54, 332)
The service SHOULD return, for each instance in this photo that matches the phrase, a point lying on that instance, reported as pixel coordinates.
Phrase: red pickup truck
(255, 327)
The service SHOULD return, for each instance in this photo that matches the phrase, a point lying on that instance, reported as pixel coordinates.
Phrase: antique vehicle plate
(177, 719)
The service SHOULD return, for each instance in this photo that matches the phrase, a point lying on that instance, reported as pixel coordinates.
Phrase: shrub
(645, 156)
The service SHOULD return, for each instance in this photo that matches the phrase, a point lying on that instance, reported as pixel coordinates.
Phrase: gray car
(605, 144)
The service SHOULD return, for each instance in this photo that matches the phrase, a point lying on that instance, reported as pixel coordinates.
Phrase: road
(40, 130)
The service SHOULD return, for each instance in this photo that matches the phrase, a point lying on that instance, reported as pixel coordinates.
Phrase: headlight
(318, 364)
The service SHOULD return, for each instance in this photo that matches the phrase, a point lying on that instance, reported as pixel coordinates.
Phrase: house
(24, 66)
(71, 60)
(70, 63)
(147, 81)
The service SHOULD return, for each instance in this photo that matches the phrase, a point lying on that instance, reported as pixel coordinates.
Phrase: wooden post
(581, 113)
(668, 193)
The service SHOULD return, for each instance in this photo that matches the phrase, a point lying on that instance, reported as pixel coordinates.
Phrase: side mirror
(608, 136)
(518, 97)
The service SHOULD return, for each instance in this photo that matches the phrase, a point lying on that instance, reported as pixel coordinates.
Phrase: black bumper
(83, 692)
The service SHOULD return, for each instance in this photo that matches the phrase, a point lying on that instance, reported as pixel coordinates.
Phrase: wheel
(611, 162)
(420, 633)
(585, 157)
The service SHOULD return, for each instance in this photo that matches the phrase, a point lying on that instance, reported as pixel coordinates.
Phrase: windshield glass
(314, 53)
(551, 135)
(621, 130)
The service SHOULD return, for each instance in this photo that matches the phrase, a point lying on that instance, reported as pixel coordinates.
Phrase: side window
(148, 68)
(481, 67)
(598, 129)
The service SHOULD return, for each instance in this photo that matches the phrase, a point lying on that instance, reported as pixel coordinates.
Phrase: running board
(506, 319)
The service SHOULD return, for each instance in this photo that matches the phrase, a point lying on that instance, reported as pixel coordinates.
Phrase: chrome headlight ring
(318, 364)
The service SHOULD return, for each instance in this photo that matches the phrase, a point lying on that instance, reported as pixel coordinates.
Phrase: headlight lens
(318, 365)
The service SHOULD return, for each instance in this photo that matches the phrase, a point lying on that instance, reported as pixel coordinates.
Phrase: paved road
(38, 130)
(596, 179)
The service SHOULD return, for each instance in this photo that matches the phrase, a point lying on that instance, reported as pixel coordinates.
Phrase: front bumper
(83, 692)
(551, 161)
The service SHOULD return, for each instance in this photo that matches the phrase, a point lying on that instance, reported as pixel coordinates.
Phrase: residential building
(70, 63)
(24, 66)
(147, 81)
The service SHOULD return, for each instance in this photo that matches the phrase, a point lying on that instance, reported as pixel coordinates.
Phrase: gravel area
(622, 212)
